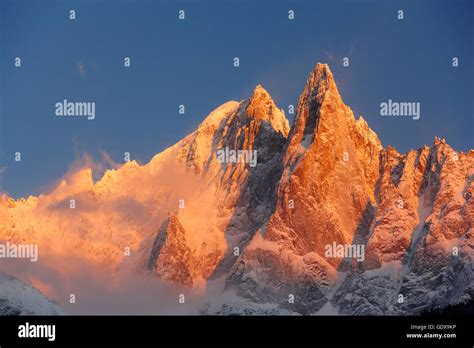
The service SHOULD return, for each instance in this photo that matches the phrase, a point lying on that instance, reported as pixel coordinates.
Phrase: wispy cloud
(107, 160)
(332, 57)
(329, 56)
(82, 69)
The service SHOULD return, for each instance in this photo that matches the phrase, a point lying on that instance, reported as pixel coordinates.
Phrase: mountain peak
(321, 81)
(320, 87)
(322, 69)
(320, 99)
(261, 106)
(260, 97)
(259, 90)
(438, 141)
(213, 120)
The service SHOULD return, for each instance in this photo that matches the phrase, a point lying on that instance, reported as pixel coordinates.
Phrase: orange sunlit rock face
(187, 218)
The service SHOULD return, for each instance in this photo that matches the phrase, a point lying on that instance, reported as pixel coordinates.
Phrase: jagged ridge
(327, 180)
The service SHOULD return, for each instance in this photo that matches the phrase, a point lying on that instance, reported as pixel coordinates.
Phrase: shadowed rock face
(170, 257)
(241, 195)
(188, 217)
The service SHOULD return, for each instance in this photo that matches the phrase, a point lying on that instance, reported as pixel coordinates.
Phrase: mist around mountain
(247, 215)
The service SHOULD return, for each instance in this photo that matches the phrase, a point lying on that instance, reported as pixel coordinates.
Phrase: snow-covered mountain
(189, 217)
(413, 213)
(18, 298)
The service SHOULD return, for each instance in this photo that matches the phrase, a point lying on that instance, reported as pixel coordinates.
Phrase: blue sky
(191, 62)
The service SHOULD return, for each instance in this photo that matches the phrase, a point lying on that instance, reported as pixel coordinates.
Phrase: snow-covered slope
(17, 298)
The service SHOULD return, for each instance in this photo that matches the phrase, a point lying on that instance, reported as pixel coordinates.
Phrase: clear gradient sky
(191, 62)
